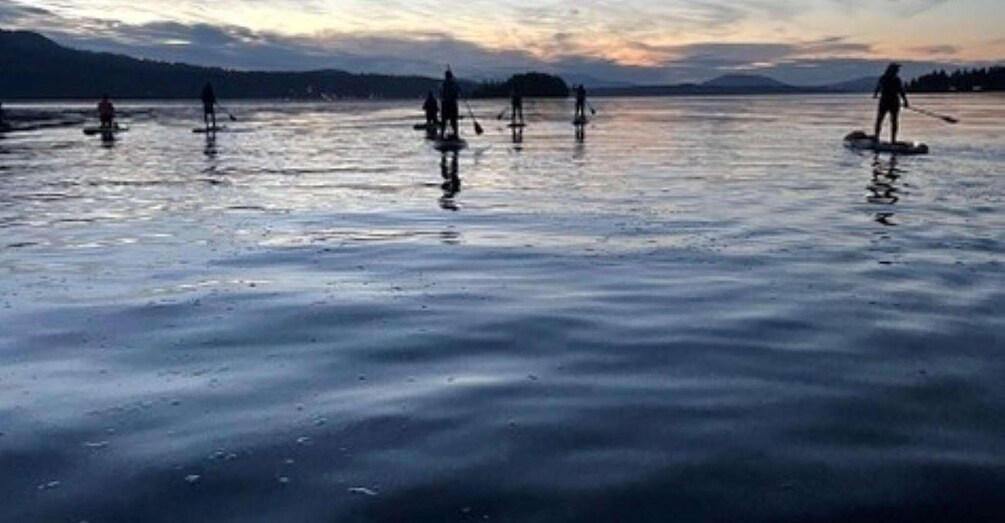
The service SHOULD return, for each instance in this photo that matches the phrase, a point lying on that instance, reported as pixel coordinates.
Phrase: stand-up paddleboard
(860, 141)
(580, 120)
(520, 125)
(450, 145)
(428, 127)
(206, 130)
(92, 130)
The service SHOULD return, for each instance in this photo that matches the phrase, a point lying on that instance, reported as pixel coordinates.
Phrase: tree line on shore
(34, 67)
(960, 80)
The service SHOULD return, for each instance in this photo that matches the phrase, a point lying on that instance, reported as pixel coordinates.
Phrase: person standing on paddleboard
(516, 105)
(209, 105)
(106, 113)
(580, 103)
(890, 91)
(432, 109)
(449, 94)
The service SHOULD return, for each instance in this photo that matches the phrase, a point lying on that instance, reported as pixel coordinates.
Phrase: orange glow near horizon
(633, 33)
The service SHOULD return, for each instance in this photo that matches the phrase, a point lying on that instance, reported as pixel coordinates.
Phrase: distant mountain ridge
(34, 67)
(737, 84)
(746, 81)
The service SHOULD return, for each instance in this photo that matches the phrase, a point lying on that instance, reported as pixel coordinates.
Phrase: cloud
(937, 50)
(565, 52)
(903, 8)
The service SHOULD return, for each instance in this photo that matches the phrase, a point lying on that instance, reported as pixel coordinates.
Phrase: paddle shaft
(947, 119)
(478, 127)
(224, 109)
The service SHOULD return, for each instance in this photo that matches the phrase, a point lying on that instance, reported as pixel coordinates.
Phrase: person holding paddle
(516, 105)
(580, 103)
(449, 112)
(106, 113)
(209, 105)
(890, 91)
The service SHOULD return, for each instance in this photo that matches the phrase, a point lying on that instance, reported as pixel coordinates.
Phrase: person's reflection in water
(883, 189)
(210, 150)
(107, 139)
(451, 181)
(580, 134)
(517, 138)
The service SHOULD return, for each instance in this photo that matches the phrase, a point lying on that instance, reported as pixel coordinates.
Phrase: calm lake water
(706, 310)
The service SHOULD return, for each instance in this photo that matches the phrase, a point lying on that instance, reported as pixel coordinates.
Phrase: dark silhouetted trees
(960, 80)
(531, 85)
(32, 66)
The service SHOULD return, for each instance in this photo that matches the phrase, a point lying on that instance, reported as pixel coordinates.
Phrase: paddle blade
(232, 117)
(950, 119)
(478, 129)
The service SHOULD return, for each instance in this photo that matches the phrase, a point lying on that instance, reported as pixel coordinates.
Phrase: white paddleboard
(860, 141)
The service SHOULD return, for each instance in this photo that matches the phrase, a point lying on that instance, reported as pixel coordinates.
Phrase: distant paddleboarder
(890, 91)
(432, 109)
(449, 94)
(209, 105)
(106, 113)
(516, 105)
(580, 103)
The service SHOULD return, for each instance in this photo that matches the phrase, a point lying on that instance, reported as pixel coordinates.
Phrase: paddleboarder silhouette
(449, 95)
(890, 91)
(209, 105)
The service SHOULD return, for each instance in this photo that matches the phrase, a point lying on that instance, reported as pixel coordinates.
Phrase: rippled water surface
(705, 310)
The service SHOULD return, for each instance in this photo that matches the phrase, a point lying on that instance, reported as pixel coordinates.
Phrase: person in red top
(106, 112)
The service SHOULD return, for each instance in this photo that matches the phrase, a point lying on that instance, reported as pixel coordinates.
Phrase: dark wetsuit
(431, 109)
(581, 102)
(106, 113)
(890, 89)
(209, 105)
(448, 106)
(516, 103)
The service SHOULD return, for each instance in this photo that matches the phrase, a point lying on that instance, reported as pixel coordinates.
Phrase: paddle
(232, 117)
(592, 110)
(944, 118)
(503, 113)
(478, 128)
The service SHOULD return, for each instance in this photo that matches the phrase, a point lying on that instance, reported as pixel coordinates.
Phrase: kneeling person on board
(106, 113)
(209, 105)
(432, 109)
(448, 106)
(890, 91)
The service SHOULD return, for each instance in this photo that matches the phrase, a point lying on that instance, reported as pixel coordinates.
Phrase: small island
(532, 85)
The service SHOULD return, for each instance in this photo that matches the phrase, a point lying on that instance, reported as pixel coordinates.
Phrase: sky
(804, 42)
